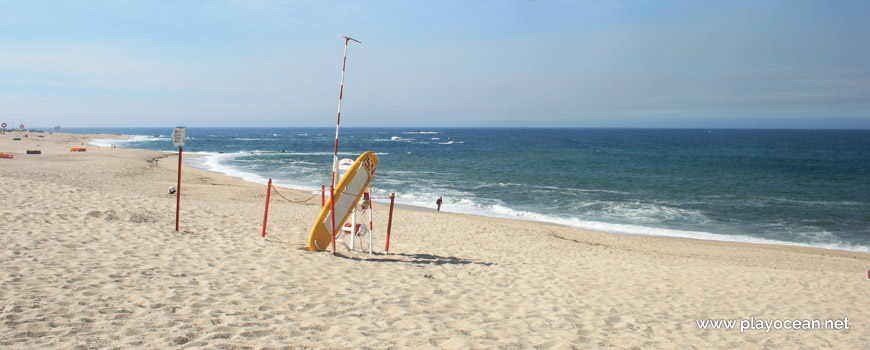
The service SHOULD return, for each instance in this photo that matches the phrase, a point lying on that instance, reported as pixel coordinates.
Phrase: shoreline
(420, 209)
(92, 260)
(777, 245)
(618, 229)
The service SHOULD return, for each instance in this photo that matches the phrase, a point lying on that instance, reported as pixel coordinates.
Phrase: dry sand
(91, 259)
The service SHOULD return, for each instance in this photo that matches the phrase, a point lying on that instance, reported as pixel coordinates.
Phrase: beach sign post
(178, 141)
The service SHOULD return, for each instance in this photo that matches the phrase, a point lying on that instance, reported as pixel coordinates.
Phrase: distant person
(438, 203)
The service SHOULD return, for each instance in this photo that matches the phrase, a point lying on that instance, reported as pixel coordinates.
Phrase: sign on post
(178, 136)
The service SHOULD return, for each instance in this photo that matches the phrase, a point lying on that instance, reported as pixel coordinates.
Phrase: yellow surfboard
(348, 192)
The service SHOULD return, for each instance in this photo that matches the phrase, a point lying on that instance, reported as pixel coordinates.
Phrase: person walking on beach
(438, 203)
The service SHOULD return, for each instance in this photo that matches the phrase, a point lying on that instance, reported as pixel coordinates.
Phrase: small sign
(4, 125)
(21, 126)
(178, 136)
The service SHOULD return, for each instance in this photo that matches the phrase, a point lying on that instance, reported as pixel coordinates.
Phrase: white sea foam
(547, 188)
(306, 153)
(664, 232)
(217, 162)
(107, 142)
(818, 203)
(128, 140)
(465, 206)
(393, 139)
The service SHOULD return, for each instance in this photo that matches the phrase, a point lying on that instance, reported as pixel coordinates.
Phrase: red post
(178, 191)
(266, 214)
(390, 223)
(322, 196)
(332, 215)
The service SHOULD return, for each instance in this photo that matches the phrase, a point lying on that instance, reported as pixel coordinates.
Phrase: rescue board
(347, 193)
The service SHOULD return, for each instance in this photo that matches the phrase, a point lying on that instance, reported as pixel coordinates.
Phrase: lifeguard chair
(358, 231)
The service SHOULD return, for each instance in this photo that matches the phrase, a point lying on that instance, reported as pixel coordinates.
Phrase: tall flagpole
(340, 93)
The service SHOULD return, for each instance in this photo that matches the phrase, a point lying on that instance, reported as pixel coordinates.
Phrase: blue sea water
(800, 187)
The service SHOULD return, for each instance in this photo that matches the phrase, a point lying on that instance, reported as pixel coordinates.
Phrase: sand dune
(91, 259)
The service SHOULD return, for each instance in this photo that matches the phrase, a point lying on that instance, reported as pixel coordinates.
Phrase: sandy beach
(91, 259)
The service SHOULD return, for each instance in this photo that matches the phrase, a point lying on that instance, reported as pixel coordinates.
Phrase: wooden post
(178, 190)
(266, 214)
(390, 223)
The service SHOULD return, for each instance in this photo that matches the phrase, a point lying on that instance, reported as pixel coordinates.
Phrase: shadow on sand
(420, 259)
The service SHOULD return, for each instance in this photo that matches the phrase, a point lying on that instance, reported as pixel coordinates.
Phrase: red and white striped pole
(340, 93)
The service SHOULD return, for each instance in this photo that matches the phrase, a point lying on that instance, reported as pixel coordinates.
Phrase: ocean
(793, 187)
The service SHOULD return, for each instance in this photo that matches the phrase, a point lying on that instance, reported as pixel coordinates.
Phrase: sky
(502, 63)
